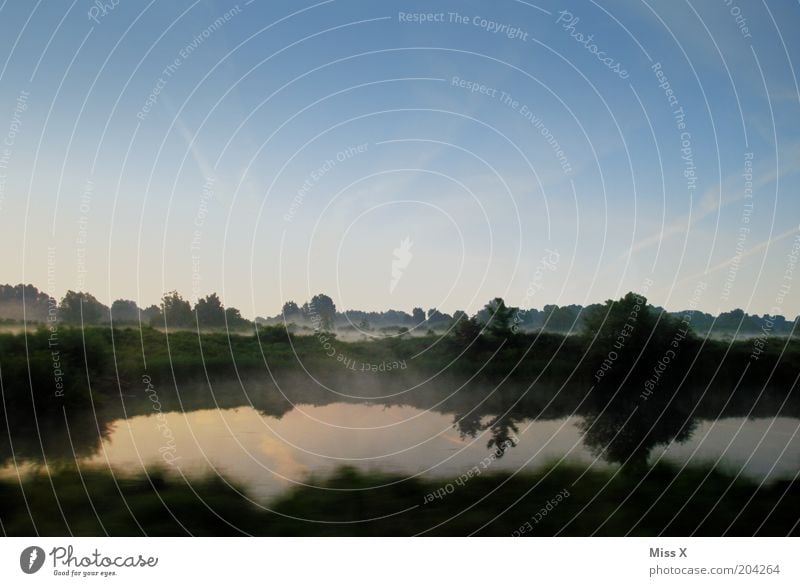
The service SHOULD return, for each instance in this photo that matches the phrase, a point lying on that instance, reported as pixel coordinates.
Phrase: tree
(81, 308)
(560, 319)
(321, 311)
(290, 310)
(499, 317)
(124, 310)
(737, 320)
(210, 312)
(20, 302)
(150, 313)
(234, 319)
(629, 318)
(175, 311)
(630, 337)
(458, 315)
(418, 316)
(436, 317)
(464, 329)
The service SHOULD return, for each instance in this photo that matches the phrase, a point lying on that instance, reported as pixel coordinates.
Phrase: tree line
(26, 302)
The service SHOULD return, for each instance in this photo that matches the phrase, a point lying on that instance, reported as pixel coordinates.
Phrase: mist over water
(269, 437)
(345, 267)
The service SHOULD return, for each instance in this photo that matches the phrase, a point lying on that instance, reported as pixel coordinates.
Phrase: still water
(267, 454)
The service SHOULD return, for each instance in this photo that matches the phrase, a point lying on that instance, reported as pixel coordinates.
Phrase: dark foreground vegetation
(562, 500)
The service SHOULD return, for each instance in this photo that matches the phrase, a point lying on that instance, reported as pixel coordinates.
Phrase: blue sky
(200, 192)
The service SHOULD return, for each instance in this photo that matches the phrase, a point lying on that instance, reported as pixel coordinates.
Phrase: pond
(267, 442)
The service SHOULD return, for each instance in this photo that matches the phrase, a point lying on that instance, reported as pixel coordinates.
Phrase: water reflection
(268, 439)
(268, 455)
(626, 428)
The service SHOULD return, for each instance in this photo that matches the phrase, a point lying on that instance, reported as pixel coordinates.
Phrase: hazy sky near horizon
(273, 150)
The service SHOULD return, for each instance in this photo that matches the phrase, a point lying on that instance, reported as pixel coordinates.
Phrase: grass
(101, 356)
(637, 502)
(95, 502)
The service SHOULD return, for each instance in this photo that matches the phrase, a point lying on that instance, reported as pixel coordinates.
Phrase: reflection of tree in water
(54, 438)
(503, 430)
(468, 424)
(504, 435)
(626, 429)
(623, 429)
(620, 423)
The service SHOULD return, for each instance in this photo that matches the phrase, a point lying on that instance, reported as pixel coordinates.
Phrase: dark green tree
(464, 329)
(626, 322)
(498, 318)
(124, 310)
(437, 318)
(234, 319)
(210, 312)
(150, 313)
(458, 315)
(560, 319)
(175, 311)
(321, 310)
(81, 308)
(20, 302)
(291, 310)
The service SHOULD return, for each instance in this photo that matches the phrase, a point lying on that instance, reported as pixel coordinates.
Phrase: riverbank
(83, 367)
(564, 500)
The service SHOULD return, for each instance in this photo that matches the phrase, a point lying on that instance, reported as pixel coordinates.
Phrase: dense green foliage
(26, 304)
(594, 503)
(625, 343)
(63, 387)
